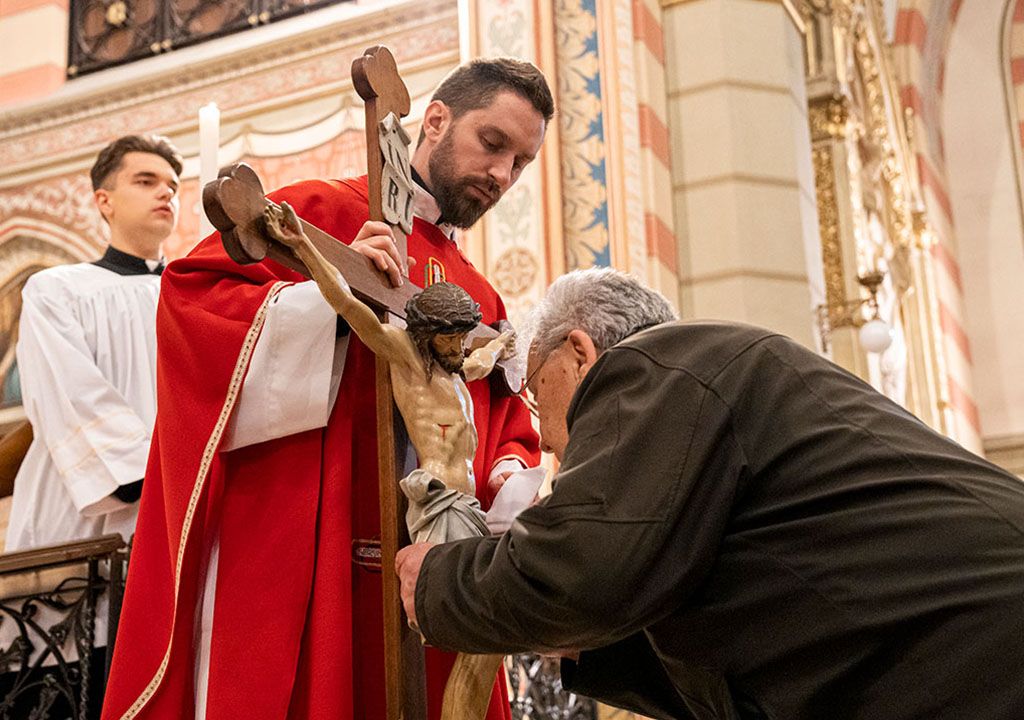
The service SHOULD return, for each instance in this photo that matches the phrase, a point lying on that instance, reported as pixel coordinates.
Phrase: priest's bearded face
(481, 155)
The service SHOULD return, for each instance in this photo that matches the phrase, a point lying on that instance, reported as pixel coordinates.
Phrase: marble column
(743, 185)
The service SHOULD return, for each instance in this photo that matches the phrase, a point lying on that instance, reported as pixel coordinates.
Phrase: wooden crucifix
(235, 204)
(389, 180)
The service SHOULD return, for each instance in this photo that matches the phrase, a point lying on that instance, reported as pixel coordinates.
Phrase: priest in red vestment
(254, 590)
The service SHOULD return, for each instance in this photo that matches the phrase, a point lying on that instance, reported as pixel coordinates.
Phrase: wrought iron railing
(537, 692)
(105, 33)
(48, 612)
(48, 633)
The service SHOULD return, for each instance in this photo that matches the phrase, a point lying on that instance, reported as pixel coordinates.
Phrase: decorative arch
(1012, 51)
(21, 256)
(920, 47)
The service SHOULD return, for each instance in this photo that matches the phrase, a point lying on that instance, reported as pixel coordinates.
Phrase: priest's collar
(123, 263)
(425, 206)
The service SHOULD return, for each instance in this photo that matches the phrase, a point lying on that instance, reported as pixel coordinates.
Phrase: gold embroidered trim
(234, 389)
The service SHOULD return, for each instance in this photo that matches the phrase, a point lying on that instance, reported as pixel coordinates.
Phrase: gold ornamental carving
(829, 118)
(840, 11)
(862, 121)
(822, 158)
(884, 126)
(117, 14)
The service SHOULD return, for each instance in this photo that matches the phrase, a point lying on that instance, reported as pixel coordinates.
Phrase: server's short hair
(109, 161)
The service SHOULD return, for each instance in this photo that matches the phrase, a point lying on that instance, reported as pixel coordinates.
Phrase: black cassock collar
(122, 263)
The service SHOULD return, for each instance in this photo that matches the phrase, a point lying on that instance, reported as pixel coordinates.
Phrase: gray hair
(607, 304)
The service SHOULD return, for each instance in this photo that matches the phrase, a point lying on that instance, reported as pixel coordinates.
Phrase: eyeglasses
(528, 401)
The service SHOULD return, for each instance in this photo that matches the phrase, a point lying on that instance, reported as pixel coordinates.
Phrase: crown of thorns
(443, 307)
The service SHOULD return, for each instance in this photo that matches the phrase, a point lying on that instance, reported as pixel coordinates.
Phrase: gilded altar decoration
(867, 188)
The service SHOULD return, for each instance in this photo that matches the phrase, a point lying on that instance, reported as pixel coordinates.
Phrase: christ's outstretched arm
(482, 360)
(384, 340)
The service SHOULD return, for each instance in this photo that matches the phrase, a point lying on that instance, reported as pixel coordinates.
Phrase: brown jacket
(736, 515)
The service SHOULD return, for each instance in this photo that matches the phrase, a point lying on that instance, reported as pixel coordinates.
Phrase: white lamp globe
(876, 335)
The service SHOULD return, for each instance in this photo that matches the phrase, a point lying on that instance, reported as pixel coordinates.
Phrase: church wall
(655, 149)
(920, 42)
(614, 139)
(292, 113)
(984, 198)
(33, 48)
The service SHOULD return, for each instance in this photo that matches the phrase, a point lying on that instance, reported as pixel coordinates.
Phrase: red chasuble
(297, 629)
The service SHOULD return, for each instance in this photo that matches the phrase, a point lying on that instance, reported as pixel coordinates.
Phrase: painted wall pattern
(626, 171)
(655, 162)
(581, 117)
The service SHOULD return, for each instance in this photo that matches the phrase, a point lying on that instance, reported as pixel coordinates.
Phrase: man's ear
(436, 118)
(583, 351)
(103, 204)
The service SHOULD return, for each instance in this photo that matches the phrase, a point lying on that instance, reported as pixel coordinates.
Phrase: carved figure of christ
(434, 401)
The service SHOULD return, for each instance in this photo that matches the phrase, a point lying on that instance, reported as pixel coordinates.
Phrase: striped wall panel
(33, 35)
(920, 44)
(655, 146)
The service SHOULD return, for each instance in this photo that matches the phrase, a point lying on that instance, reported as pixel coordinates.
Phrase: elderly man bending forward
(739, 529)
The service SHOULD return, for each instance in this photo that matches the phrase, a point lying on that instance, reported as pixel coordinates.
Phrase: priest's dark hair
(474, 85)
(440, 309)
(605, 303)
(108, 162)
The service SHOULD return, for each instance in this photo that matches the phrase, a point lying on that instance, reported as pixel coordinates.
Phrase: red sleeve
(510, 423)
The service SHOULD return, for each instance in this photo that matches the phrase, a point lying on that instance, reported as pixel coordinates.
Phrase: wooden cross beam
(234, 204)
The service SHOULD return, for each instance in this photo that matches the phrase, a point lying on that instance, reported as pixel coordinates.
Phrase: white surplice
(87, 362)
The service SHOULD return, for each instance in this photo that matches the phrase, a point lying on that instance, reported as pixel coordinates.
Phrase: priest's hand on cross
(376, 241)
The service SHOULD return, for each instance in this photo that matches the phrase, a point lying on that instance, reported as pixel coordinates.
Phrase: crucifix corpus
(444, 436)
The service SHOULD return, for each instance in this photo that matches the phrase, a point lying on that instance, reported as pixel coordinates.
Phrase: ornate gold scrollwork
(117, 13)
(829, 117)
(884, 125)
(822, 158)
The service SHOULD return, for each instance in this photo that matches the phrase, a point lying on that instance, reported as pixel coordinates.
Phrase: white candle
(209, 143)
